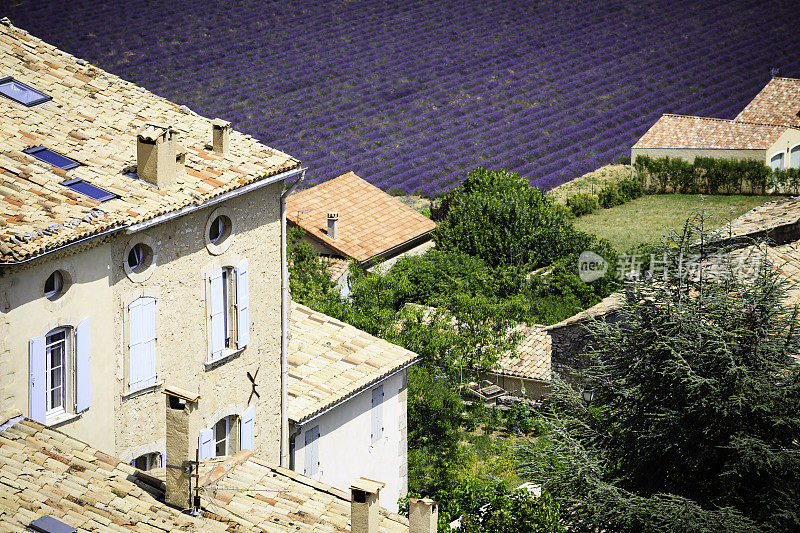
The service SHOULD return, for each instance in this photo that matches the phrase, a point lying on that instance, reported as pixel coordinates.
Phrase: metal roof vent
(48, 524)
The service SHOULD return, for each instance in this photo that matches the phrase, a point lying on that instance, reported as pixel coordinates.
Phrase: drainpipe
(285, 327)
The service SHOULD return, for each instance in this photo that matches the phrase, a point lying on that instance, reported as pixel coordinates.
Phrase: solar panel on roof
(48, 524)
(52, 158)
(84, 187)
(19, 92)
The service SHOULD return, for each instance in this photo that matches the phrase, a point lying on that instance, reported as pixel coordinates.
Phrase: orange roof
(681, 131)
(370, 221)
(530, 359)
(777, 103)
(94, 118)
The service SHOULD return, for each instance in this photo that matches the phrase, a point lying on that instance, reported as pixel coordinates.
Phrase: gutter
(339, 402)
(284, 462)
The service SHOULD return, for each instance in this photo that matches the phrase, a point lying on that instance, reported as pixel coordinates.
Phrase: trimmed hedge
(708, 175)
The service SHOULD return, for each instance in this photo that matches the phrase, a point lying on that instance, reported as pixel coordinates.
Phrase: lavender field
(415, 94)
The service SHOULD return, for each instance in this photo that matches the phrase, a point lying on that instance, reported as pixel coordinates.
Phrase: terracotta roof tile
(681, 131)
(331, 360)
(530, 359)
(370, 221)
(760, 220)
(45, 472)
(94, 118)
(777, 103)
(607, 306)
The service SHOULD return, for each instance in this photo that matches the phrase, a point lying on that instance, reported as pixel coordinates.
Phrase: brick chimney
(333, 225)
(423, 515)
(221, 135)
(181, 449)
(156, 155)
(364, 505)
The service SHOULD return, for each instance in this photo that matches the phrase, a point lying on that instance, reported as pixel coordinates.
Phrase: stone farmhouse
(347, 404)
(347, 219)
(140, 246)
(525, 370)
(767, 129)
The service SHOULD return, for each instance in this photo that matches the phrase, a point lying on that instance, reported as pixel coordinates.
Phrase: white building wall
(345, 447)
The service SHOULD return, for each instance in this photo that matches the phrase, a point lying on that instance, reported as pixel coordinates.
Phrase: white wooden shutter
(312, 451)
(217, 306)
(205, 443)
(242, 304)
(142, 343)
(248, 428)
(83, 361)
(377, 413)
(37, 381)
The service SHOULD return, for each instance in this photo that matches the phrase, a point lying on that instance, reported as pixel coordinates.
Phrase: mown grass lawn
(646, 219)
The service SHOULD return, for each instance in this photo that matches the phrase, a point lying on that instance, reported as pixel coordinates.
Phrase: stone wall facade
(131, 424)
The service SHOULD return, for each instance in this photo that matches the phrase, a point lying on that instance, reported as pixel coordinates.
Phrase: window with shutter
(205, 443)
(377, 413)
(311, 466)
(248, 428)
(142, 362)
(83, 367)
(242, 305)
(776, 161)
(218, 319)
(37, 382)
(794, 157)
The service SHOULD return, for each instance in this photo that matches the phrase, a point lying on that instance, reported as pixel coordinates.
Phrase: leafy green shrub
(583, 204)
(630, 189)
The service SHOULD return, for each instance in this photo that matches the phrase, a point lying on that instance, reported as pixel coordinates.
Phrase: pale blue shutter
(242, 305)
(37, 390)
(377, 413)
(217, 305)
(205, 443)
(142, 343)
(83, 374)
(248, 428)
(312, 451)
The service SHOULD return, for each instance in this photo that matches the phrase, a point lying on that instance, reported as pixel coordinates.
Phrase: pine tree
(695, 420)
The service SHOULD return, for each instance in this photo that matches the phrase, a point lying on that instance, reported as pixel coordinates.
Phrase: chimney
(333, 225)
(221, 135)
(156, 155)
(364, 505)
(423, 515)
(181, 450)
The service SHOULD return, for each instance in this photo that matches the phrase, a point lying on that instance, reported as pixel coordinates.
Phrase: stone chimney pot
(221, 135)
(333, 225)
(364, 505)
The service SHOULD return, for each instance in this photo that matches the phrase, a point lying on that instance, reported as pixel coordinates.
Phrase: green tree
(500, 218)
(694, 425)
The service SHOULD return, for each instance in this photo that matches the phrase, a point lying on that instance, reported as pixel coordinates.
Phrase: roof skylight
(48, 524)
(19, 92)
(52, 158)
(86, 188)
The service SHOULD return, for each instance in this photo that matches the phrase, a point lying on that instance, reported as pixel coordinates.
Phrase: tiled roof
(777, 103)
(262, 496)
(330, 360)
(45, 472)
(336, 266)
(370, 221)
(681, 131)
(762, 219)
(531, 358)
(608, 305)
(94, 118)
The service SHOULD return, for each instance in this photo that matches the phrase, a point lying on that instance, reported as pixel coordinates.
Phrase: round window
(54, 285)
(219, 230)
(139, 258)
